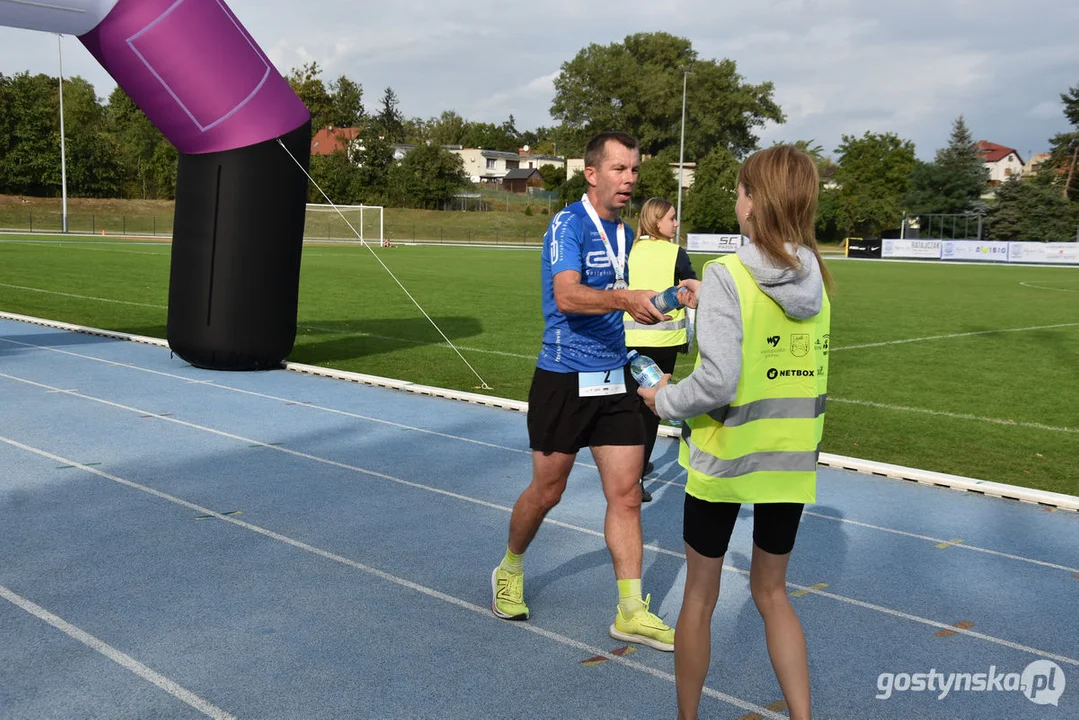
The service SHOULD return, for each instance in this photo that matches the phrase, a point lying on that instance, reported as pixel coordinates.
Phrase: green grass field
(962, 369)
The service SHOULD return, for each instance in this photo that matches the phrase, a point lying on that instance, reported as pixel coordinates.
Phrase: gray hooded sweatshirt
(719, 327)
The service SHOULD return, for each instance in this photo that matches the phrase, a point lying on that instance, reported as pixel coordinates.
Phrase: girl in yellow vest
(656, 263)
(754, 412)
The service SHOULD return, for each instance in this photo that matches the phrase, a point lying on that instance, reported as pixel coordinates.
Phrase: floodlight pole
(681, 154)
(63, 152)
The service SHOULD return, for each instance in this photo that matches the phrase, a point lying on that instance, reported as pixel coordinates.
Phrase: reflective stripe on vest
(660, 326)
(769, 409)
(651, 267)
(763, 447)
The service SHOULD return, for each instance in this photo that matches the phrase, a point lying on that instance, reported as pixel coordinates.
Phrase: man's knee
(549, 494)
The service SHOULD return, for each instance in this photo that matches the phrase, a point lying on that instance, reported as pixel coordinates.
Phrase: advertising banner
(1051, 253)
(922, 249)
(706, 243)
(974, 250)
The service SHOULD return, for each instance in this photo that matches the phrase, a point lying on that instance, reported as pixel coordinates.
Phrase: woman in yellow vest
(656, 263)
(754, 413)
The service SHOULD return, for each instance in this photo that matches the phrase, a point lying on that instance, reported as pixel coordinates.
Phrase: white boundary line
(482, 503)
(956, 416)
(578, 463)
(867, 467)
(430, 592)
(122, 659)
(1042, 287)
(954, 335)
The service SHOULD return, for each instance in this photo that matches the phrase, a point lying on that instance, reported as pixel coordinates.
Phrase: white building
(1002, 162)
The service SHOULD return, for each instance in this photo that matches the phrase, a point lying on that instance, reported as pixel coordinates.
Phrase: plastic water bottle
(644, 369)
(667, 300)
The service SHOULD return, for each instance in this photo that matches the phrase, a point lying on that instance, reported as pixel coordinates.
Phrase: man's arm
(574, 298)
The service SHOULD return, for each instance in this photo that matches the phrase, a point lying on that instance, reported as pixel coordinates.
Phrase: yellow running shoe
(645, 628)
(508, 594)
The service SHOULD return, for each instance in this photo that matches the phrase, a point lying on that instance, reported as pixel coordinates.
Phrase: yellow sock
(513, 562)
(629, 596)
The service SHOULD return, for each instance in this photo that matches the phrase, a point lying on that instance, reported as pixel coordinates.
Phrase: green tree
(390, 121)
(655, 180)
(306, 82)
(1032, 210)
(93, 156)
(954, 181)
(373, 158)
(572, 190)
(709, 204)
(346, 100)
(1064, 146)
(447, 129)
(137, 139)
(553, 177)
(873, 174)
(428, 177)
(336, 175)
(29, 116)
(636, 86)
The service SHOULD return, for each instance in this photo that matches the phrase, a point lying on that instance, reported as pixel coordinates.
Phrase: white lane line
(396, 580)
(503, 508)
(955, 416)
(1042, 287)
(210, 383)
(252, 393)
(125, 661)
(937, 541)
(482, 443)
(82, 297)
(954, 335)
(927, 538)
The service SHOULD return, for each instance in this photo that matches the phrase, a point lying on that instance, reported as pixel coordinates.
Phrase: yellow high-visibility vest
(651, 267)
(763, 447)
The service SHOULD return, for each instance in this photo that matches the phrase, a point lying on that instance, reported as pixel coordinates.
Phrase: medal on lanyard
(617, 261)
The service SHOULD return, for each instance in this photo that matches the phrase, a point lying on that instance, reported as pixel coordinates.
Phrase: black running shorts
(559, 420)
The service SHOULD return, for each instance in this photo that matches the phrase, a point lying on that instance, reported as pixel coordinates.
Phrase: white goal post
(327, 223)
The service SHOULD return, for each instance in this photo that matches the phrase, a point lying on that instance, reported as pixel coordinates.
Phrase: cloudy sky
(839, 66)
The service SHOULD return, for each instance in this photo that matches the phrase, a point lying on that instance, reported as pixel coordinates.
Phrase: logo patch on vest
(773, 341)
(799, 345)
(773, 373)
(822, 344)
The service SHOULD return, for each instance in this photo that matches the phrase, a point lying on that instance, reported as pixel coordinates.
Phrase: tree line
(868, 183)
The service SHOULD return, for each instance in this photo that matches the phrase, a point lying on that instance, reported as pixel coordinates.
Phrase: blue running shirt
(580, 343)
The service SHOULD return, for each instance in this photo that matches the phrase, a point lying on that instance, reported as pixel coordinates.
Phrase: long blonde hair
(783, 183)
(652, 212)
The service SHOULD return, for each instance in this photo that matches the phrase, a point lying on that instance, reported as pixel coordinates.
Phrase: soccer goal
(327, 223)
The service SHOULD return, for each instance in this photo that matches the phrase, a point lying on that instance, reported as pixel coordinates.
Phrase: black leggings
(707, 526)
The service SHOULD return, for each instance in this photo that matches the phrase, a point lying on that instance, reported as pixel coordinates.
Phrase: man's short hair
(595, 152)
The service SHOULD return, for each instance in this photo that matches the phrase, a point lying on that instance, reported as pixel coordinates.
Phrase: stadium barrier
(991, 251)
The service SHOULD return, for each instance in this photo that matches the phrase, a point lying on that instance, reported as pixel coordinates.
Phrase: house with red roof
(329, 139)
(1002, 162)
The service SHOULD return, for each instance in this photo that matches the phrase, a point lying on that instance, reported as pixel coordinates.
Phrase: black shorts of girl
(560, 420)
(707, 526)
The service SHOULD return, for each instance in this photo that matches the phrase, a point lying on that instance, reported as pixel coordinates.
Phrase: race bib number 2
(606, 382)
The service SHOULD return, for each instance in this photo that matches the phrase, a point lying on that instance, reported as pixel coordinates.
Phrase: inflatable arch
(238, 231)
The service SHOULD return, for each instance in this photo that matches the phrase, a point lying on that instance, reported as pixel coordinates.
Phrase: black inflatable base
(236, 245)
